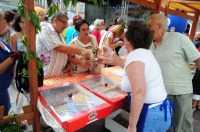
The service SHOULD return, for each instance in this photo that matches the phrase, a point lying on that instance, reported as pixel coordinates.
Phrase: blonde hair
(117, 30)
(160, 19)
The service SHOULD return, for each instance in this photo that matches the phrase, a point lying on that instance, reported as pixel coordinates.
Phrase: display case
(105, 88)
(73, 106)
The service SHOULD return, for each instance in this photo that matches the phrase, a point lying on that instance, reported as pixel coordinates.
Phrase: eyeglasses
(65, 23)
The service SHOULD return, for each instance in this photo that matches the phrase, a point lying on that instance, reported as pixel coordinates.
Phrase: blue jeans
(155, 119)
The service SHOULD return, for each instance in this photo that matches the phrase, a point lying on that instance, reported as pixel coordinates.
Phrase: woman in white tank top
(142, 78)
(19, 27)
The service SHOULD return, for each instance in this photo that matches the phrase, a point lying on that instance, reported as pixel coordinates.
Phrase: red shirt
(199, 49)
(97, 34)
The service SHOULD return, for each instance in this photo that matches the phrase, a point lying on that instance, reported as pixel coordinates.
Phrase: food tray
(105, 88)
(72, 105)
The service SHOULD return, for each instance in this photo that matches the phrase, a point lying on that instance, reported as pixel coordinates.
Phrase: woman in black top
(196, 81)
(197, 41)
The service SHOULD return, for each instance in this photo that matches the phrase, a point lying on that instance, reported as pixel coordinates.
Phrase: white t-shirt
(43, 24)
(87, 47)
(155, 90)
(55, 61)
(104, 38)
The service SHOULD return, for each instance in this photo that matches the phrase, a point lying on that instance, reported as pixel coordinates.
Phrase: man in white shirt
(51, 47)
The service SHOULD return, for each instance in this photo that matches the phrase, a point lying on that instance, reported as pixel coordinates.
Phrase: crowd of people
(156, 71)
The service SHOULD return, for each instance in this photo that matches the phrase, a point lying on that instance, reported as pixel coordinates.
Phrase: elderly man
(174, 52)
(51, 47)
(120, 21)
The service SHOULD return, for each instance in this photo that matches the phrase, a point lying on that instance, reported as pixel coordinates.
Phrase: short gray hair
(120, 19)
(58, 15)
(160, 19)
(1, 14)
(98, 23)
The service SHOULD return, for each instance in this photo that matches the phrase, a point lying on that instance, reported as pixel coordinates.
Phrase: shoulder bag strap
(93, 47)
(105, 38)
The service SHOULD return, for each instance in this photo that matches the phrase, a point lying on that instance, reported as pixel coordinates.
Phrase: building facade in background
(8, 4)
(87, 11)
(79, 9)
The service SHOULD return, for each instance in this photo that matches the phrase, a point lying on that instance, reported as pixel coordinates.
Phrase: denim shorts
(155, 119)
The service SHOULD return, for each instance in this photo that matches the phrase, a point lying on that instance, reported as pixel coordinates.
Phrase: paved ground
(97, 126)
(13, 94)
(196, 122)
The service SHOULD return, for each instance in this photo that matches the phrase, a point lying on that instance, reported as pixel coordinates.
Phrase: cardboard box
(105, 88)
(73, 106)
(112, 125)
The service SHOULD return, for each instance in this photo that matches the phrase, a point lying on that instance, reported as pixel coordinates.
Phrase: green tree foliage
(53, 7)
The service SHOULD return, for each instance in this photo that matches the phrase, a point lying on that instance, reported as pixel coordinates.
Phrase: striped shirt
(54, 61)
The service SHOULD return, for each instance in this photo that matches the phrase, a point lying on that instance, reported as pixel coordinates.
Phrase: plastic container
(73, 106)
(122, 52)
(114, 126)
(105, 88)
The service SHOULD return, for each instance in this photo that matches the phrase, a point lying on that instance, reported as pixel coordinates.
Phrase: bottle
(70, 105)
(122, 52)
